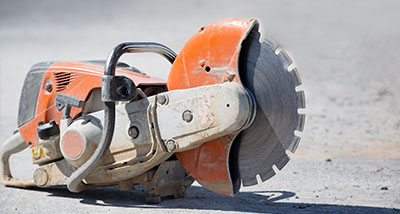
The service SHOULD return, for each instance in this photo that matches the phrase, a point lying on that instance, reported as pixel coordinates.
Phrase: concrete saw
(227, 114)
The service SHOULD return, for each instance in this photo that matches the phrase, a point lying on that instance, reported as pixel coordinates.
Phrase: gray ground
(348, 56)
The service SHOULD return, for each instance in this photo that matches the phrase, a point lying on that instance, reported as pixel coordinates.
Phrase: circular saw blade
(264, 72)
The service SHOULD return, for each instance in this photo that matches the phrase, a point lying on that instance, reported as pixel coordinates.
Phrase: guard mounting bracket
(117, 88)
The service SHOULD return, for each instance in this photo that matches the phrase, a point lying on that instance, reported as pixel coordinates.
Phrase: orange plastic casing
(83, 78)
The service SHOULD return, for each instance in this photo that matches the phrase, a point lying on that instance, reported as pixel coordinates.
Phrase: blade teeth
(268, 175)
(302, 119)
(280, 160)
(295, 144)
(302, 103)
(284, 57)
(297, 76)
(249, 182)
(283, 162)
(259, 180)
(271, 44)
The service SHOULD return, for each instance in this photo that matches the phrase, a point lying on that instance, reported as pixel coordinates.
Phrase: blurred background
(347, 53)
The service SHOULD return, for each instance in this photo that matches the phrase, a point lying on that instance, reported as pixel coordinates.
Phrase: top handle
(114, 88)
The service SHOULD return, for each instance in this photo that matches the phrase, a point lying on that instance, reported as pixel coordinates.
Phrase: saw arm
(178, 122)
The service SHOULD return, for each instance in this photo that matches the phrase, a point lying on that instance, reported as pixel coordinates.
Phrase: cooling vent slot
(63, 79)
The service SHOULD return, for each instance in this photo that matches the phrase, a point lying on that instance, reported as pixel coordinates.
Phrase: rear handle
(12, 145)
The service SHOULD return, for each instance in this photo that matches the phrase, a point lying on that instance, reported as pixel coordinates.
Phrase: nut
(187, 116)
(133, 132)
(171, 145)
(162, 99)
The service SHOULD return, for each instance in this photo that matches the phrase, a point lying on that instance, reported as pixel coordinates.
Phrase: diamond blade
(261, 146)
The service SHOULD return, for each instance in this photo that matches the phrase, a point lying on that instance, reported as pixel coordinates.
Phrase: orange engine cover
(211, 57)
(77, 79)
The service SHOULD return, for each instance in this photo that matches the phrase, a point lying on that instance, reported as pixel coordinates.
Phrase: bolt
(187, 116)
(40, 177)
(171, 145)
(48, 86)
(133, 132)
(162, 99)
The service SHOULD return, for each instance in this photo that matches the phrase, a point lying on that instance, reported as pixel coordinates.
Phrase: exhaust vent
(63, 79)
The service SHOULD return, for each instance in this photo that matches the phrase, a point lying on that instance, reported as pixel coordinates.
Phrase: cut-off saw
(226, 117)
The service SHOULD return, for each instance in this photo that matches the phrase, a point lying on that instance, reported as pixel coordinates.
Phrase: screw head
(187, 116)
(162, 99)
(171, 145)
(48, 86)
(133, 132)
